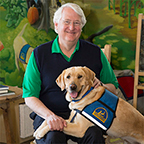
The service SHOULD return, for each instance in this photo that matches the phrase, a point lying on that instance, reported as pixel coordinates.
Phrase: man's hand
(108, 86)
(56, 123)
(97, 83)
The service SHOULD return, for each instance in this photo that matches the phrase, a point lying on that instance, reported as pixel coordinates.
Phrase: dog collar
(84, 95)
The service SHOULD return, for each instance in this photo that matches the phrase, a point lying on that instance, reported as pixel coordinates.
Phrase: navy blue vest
(50, 66)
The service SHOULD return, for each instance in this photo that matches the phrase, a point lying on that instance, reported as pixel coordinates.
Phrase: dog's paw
(41, 132)
(37, 135)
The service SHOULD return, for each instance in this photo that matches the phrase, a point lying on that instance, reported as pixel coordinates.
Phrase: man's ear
(56, 25)
(90, 75)
(60, 81)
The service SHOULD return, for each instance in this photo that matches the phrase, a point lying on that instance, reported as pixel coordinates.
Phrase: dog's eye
(68, 77)
(80, 76)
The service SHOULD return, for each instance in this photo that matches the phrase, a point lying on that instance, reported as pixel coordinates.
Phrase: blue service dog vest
(23, 53)
(102, 111)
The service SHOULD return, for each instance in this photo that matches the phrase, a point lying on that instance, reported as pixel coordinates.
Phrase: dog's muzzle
(73, 87)
(73, 93)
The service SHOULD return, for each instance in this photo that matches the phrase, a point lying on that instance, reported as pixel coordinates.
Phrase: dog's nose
(73, 86)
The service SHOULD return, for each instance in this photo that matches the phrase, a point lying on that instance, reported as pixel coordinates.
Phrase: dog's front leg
(74, 129)
(42, 130)
(78, 127)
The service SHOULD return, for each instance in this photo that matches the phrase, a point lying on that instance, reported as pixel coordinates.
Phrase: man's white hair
(75, 7)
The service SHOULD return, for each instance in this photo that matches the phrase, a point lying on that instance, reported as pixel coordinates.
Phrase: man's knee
(95, 131)
(95, 134)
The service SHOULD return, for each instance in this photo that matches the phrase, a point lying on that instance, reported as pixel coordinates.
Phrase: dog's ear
(60, 81)
(89, 74)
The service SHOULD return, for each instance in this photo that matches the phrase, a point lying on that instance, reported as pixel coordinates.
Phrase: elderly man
(48, 60)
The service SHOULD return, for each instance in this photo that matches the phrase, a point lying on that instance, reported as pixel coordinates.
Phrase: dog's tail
(22, 31)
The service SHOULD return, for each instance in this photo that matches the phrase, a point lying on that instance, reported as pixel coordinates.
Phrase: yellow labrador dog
(22, 49)
(128, 123)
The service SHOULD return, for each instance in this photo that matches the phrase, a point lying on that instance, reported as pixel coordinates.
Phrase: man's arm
(54, 122)
(111, 88)
(108, 86)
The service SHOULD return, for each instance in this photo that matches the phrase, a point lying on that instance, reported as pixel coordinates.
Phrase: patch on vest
(23, 53)
(102, 112)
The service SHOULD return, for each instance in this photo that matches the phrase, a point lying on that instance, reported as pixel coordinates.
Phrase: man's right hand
(56, 123)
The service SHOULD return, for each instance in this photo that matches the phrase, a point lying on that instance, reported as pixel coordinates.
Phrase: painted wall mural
(25, 24)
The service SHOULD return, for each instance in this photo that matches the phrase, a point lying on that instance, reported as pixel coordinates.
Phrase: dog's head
(75, 80)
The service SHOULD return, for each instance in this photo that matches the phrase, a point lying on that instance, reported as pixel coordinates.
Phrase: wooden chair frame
(137, 57)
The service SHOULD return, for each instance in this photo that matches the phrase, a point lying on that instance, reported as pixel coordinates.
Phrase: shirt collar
(56, 49)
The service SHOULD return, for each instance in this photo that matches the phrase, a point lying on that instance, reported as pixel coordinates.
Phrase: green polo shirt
(56, 49)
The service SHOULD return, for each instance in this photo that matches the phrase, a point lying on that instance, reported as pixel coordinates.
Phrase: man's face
(69, 26)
